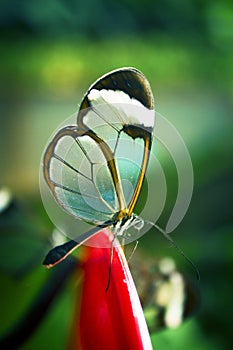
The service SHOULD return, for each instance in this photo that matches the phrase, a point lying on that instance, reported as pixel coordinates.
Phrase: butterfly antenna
(175, 245)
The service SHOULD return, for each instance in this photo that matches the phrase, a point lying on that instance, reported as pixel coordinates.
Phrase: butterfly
(95, 168)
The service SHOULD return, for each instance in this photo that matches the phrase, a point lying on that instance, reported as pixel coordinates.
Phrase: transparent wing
(77, 173)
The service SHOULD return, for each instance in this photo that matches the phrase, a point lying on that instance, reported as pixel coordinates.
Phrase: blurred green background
(51, 51)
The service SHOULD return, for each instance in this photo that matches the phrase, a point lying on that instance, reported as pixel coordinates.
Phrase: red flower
(112, 319)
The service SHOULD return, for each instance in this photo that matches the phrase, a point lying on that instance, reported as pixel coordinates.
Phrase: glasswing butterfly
(96, 167)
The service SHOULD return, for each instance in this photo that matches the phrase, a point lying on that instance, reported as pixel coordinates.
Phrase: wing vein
(70, 166)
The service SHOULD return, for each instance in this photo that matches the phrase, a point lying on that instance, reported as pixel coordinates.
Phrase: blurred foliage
(209, 20)
(51, 51)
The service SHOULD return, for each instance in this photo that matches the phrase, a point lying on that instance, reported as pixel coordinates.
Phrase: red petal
(112, 319)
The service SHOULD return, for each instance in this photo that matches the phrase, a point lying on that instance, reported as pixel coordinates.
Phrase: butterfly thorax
(121, 226)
